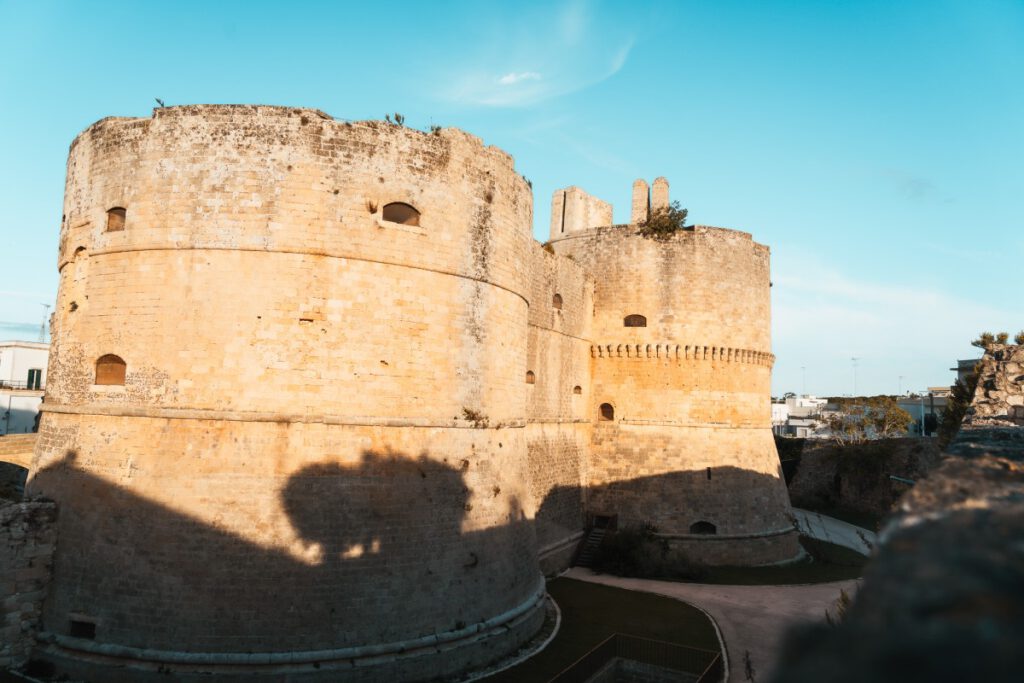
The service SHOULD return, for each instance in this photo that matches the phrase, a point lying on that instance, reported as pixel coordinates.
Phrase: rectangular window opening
(81, 628)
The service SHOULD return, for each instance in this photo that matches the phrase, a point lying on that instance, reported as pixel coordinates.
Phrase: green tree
(871, 417)
(984, 340)
(956, 407)
(664, 222)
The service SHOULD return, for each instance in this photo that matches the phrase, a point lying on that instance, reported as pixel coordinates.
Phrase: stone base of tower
(438, 657)
(716, 493)
(779, 547)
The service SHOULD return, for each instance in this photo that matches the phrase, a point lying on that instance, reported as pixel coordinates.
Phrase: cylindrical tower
(681, 365)
(284, 423)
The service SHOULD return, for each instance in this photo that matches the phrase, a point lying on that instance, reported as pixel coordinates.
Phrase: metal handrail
(12, 384)
(705, 664)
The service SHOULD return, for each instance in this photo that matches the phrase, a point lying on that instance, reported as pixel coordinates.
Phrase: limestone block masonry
(27, 535)
(320, 408)
(315, 463)
(682, 360)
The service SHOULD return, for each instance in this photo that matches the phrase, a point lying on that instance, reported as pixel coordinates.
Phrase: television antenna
(42, 327)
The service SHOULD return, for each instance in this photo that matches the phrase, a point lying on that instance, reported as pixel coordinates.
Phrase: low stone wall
(27, 538)
(18, 448)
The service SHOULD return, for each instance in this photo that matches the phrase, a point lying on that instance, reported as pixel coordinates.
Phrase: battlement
(574, 210)
(682, 352)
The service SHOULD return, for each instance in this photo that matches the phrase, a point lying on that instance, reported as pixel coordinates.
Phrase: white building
(22, 382)
(805, 406)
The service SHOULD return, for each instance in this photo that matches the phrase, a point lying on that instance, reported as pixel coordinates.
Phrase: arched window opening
(115, 219)
(703, 528)
(577, 390)
(530, 377)
(110, 370)
(556, 302)
(606, 412)
(398, 212)
(634, 320)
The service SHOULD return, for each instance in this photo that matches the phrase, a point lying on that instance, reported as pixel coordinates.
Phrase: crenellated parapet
(683, 352)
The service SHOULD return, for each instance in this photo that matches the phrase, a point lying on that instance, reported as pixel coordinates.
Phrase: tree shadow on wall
(386, 559)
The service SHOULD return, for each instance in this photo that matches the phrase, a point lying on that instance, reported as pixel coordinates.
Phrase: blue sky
(877, 147)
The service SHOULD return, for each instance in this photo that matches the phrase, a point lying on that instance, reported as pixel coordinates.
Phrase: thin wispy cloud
(895, 327)
(546, 54)
(513, 78)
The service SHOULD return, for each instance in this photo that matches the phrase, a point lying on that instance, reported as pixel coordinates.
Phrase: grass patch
(591, 613)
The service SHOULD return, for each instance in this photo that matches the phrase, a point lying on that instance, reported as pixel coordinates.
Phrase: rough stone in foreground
(944, 598)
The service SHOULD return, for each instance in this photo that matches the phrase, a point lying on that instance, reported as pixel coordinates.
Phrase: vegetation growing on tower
(664, 221)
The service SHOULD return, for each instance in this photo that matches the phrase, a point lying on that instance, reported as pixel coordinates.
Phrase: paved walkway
(829, 529)
(751, 618)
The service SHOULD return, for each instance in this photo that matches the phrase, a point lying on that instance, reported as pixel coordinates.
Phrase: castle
(320, 408)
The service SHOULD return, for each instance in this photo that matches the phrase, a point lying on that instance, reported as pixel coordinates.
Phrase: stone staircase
(589, 545)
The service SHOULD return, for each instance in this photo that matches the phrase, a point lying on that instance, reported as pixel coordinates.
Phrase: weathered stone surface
(319, 444)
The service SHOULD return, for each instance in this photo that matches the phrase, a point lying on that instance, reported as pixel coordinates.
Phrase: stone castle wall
(573, 209)
(291, 357)
(690, 441)
(344, 438)
(559, 422)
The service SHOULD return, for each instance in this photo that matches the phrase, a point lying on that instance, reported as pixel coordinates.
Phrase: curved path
(751, 619)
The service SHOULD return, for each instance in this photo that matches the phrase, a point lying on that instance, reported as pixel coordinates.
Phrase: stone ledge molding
(728, 537)
(564, 334)
(638, 422)
(258, 416)
(683, 352)
(353, 657)
(348, 256)
(560, 544)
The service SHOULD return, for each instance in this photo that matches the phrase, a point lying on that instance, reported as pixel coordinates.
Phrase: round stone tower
(681, 368)
(284, 423)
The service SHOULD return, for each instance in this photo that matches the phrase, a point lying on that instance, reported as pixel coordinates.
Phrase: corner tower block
(659, 194)
(641, 202)
(572, 210)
